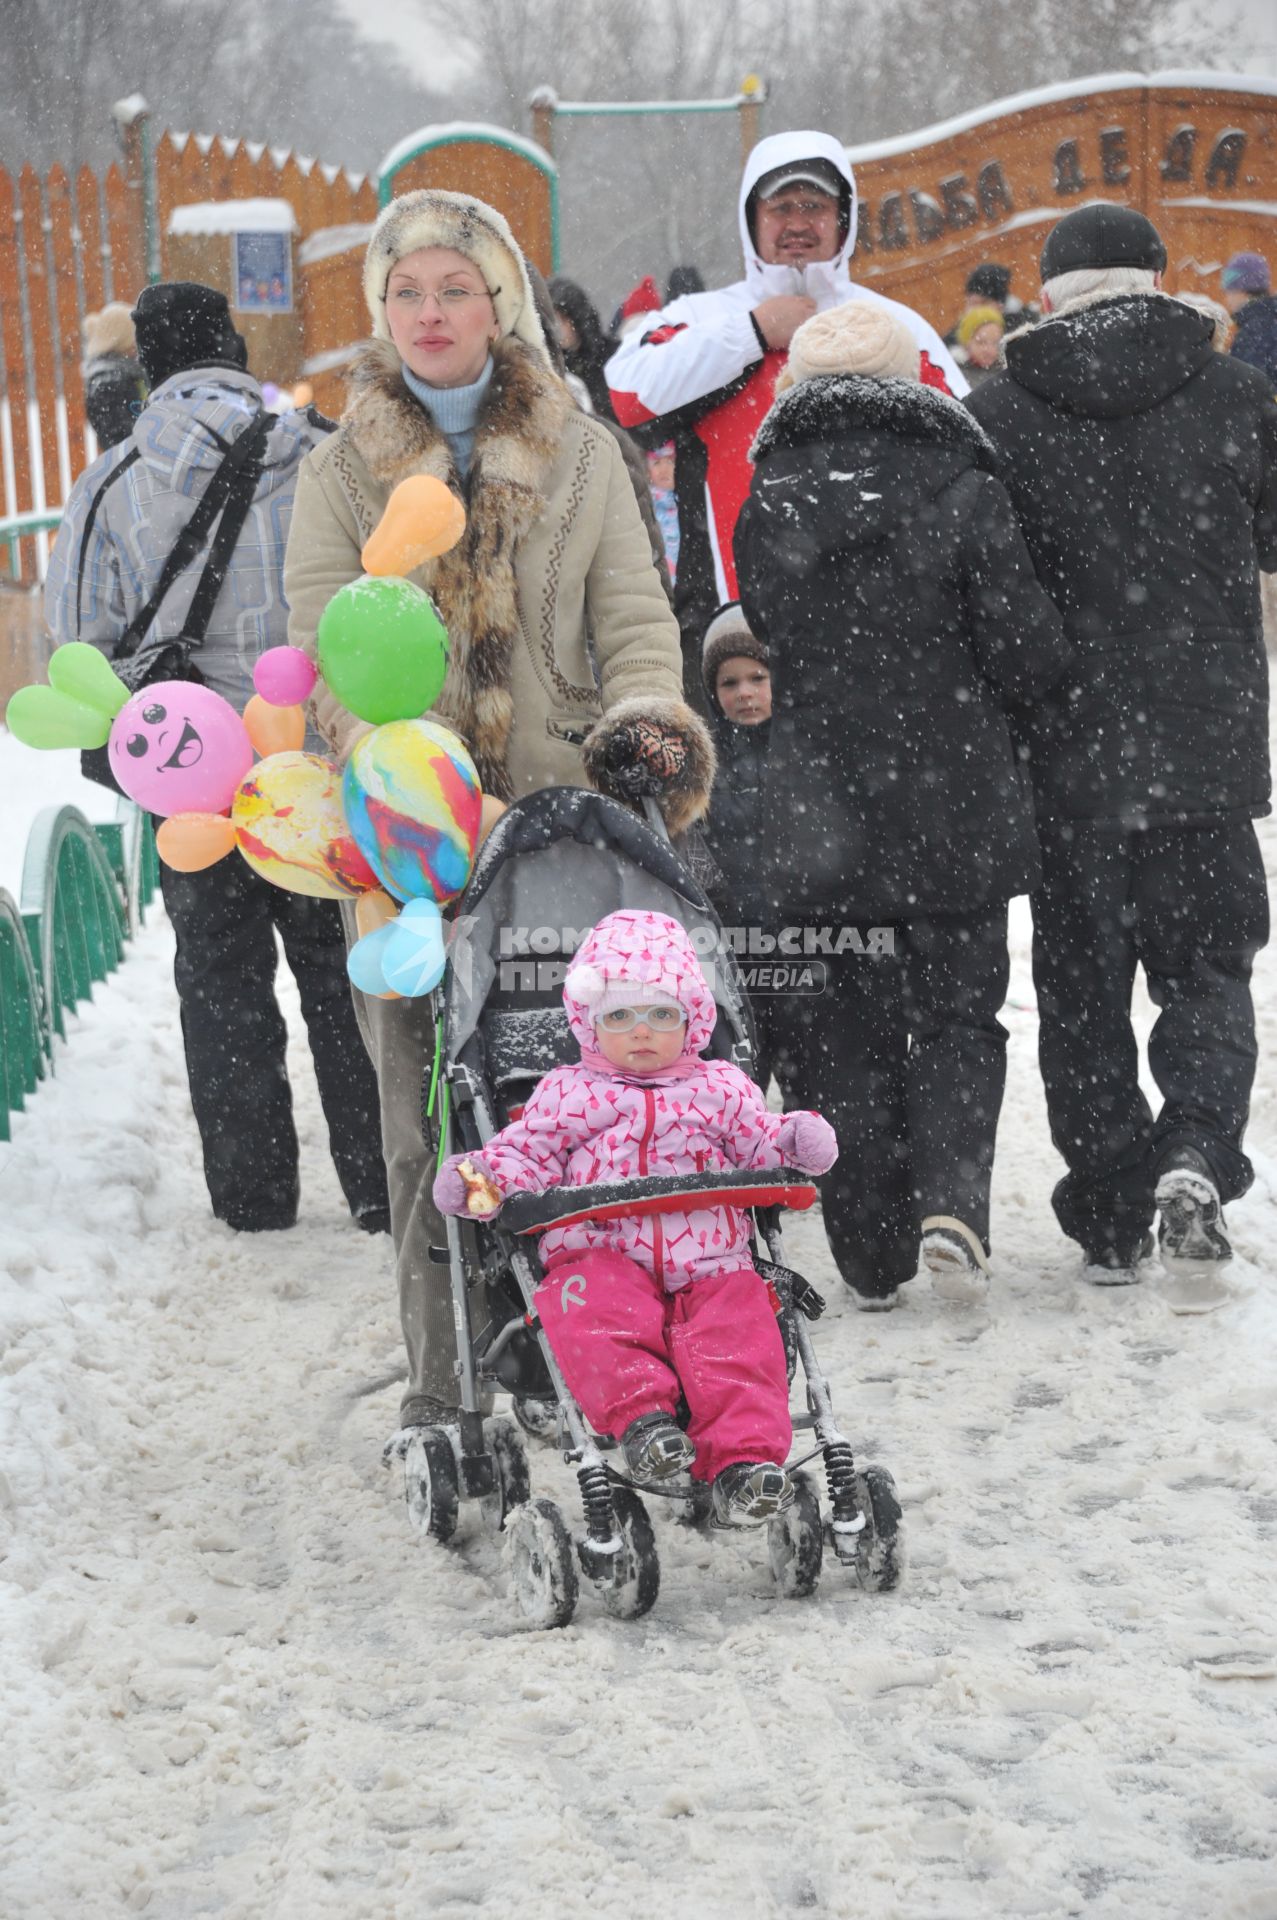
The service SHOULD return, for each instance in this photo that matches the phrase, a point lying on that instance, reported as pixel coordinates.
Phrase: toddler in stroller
(648, 1308)
(533, 1098)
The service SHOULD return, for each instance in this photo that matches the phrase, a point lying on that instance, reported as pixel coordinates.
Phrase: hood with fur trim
(832, 404)
(1108, 356)
(430, 217)
(652, 953)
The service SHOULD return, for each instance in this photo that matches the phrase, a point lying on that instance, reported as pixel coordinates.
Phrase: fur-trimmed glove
(808, 1142)
(654, 748)
(452, 1191)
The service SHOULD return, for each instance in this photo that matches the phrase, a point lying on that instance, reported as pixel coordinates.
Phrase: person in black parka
(880, 561)
(1143, 466)
(586, 347)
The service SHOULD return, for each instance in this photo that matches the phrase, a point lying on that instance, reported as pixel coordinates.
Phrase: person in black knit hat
(1143, 467)
(122, 521)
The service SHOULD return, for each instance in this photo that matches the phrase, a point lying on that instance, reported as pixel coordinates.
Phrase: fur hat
(857, 337)
(182, 324)
(109, 331)
(429, 217)
(728, 637)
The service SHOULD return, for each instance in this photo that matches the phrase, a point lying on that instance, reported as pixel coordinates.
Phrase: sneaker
(751, 1493)
(1191, 1231)
(1116, 1266)
(656, 1448)
(955, 1258)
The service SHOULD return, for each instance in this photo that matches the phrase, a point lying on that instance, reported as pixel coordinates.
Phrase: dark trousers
(1190, 905)
(225, 919)
(906, 1058)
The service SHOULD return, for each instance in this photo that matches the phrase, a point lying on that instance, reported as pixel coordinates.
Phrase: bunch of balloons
(397, 830)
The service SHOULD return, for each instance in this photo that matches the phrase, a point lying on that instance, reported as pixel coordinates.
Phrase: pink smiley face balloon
(178, 747)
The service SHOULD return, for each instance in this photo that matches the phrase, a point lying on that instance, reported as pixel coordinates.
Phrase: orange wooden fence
(68, 246)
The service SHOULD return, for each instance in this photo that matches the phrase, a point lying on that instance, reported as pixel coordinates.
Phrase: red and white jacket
(698, 374)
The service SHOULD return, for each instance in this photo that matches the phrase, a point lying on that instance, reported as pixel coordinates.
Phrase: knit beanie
(975, 318)
(1246, 273)
(857, 337)
(181, 324)
(728, 637)
(990, 282)
(429, 217)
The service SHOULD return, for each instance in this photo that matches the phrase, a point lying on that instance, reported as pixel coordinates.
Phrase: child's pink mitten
(808, 1143)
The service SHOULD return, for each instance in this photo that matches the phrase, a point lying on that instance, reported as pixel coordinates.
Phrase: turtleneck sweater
(454, 410)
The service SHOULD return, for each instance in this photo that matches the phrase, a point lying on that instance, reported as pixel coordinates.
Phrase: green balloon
(383, 649)
(82, 673)
(42, 717)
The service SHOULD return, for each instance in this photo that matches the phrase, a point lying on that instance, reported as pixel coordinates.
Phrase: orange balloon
(489, 813)
(189, 842)
(303, 393)
(274, 729)
(422, 520)
(375, 909)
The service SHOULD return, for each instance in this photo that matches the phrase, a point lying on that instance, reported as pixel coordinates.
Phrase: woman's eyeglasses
(410, 298)
(663, 1019)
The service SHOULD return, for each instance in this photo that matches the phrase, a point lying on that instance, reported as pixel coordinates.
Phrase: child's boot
(751, 1492)
(656, 1448)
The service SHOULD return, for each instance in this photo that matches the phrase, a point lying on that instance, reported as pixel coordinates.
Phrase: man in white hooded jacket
(703, 370)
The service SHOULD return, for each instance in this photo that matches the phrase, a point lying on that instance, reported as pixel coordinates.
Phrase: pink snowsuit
(639, 1308)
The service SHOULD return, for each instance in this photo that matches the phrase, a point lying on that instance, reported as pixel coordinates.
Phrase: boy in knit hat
(646, 1308)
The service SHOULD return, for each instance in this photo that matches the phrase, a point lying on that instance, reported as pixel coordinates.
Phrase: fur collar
(838, 403)
(518, 441)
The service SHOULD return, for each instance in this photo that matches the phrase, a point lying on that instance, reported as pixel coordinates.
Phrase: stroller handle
(531, 1213)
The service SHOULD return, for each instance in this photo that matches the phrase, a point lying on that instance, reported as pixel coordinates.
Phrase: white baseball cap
(813, 173)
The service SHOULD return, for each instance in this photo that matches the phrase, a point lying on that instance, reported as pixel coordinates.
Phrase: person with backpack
(166, 588)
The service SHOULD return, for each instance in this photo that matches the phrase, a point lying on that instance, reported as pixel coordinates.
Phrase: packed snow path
(234, 1684)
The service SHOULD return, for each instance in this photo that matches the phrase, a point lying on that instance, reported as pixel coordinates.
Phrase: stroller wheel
(430, 1483)
(632, 1591)
(880, 1549)
(511, 1463)
(796, 1543)
(542, 1563)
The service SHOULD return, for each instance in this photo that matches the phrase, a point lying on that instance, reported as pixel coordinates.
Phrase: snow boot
(1191, 1231)
(656, 1448)
(955, 1258)
(1115, 1266)
(751, 1492)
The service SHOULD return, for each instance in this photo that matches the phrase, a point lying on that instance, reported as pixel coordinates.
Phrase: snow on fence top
(233, 216)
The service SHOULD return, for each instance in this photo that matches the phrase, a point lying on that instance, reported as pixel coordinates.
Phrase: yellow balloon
(290, 827)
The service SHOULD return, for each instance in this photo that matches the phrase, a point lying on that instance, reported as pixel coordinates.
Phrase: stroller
(556, 863)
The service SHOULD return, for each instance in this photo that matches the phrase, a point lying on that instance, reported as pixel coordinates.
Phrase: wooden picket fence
(67, 246)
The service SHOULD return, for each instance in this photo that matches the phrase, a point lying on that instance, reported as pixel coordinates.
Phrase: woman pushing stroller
(653, 1308)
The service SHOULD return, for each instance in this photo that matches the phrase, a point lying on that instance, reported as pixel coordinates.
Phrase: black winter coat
(1143, 466)
(735, 828)
(880, 560)
(1255, 342)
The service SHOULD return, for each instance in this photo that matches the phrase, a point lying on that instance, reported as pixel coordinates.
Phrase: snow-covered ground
(234, 1684)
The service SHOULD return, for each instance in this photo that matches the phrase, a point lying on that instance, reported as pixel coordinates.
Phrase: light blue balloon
(414, 957)
(365, 963)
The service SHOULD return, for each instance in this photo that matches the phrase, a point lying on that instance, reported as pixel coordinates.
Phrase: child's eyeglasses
(664, 1019)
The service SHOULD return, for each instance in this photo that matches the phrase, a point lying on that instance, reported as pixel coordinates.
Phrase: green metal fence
(84, 892)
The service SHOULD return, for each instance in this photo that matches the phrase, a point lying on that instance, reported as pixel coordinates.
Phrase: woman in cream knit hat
(882, 566)
(564, 663)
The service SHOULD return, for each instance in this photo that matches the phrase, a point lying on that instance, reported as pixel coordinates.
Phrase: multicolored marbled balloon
(413, 803)
(290, 828)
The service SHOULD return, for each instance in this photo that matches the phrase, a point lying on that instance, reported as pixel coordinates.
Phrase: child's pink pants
(626, 1347)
